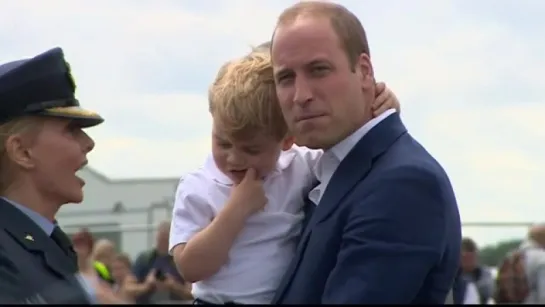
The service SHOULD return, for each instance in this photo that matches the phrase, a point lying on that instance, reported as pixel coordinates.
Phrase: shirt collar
(341, 150)
(332, 157)
(46, 225)
(285, 159)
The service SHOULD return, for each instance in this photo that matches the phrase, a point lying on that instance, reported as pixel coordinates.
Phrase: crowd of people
(151, 279)
(154, 279)
(518, 279)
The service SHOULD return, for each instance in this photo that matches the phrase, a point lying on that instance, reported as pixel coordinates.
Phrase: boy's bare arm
(208, 250)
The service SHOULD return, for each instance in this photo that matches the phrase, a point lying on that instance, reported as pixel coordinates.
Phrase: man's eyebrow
(287, 71)
(316, 62)
(282, 72)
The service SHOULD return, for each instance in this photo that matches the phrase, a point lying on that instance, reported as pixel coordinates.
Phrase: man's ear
(18, 151)
(367, 74)
(288, 142)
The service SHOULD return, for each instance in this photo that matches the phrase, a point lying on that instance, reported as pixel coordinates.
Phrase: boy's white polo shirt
(260, 255)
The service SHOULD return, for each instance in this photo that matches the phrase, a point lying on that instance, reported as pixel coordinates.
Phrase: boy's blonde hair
(243, 98)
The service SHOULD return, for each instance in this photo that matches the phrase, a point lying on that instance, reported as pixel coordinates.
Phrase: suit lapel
(309, 212)
(357, 165)
(308, 209)
(32, 238)
(353, 167)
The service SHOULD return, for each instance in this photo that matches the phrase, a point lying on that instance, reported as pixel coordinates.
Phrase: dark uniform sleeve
(12, 291)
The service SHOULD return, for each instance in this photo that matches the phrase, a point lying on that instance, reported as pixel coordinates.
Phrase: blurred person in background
(155, 269)
(42, 147)
(88, 251)
(476, 273)
(533, 249)
(103, 255)
(465, 292)
(104, 251)
(125, 283)
(83, 243)
(121, 269)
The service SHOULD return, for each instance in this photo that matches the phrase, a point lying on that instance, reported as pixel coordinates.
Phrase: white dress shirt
(331, 159)
(261, 254)
(471, 296)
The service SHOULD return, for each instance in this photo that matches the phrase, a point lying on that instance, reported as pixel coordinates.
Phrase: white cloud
(469, 79)
(494, 156)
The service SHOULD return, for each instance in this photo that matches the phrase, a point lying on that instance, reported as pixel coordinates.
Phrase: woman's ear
(18, 152)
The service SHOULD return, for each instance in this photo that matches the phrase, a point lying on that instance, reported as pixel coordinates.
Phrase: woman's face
(55, 154)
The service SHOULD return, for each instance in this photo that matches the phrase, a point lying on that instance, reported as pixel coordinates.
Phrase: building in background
(124, 211)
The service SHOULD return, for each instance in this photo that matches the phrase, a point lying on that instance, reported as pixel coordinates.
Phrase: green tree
(491, 255)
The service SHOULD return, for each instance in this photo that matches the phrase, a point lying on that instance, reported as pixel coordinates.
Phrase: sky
(468, 75)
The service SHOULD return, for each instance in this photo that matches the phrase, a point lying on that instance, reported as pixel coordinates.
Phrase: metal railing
(148, 228)
(484, 233)
(152, 227)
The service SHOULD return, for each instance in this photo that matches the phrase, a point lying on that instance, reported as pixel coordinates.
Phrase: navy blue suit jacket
(387, 229)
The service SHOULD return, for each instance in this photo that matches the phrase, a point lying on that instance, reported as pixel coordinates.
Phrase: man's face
(469, 260)
(323, 97)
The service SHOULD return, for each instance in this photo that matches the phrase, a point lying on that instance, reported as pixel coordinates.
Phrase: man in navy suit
(386, 227)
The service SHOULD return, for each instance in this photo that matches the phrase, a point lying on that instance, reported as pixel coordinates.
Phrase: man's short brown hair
(243, 98)
(346, 25)
(468, 245)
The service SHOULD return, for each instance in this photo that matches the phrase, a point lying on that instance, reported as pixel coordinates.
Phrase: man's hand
(249, 195)
(385, 99)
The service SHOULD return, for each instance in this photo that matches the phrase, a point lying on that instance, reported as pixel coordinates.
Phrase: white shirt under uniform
(264, 248)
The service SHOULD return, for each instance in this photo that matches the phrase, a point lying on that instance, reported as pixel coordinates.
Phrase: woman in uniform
(42, 146)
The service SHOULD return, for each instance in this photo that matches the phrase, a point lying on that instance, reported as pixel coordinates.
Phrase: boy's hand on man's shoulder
(385, 99)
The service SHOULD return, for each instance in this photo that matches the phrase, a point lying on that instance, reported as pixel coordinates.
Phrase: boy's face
(234, 157)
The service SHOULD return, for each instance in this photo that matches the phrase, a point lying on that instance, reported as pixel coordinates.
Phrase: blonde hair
(16, 126)
(243, 98)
